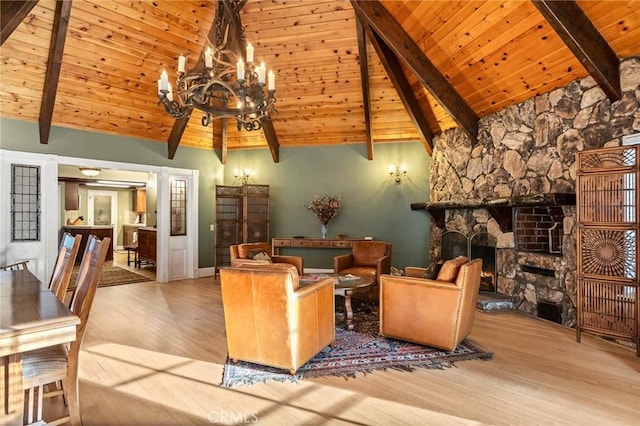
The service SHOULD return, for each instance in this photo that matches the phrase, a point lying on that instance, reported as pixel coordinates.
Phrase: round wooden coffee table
(344, 285)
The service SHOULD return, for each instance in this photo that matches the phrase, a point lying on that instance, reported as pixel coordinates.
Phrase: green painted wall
(372, 205)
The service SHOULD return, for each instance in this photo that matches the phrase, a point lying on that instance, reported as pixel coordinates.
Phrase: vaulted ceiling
(430, 65)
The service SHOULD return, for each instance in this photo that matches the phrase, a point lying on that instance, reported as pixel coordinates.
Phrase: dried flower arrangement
(325, 207)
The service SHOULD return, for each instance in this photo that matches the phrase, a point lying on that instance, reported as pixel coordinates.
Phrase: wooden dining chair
(45, 366)
(63, 268)
(18, 266)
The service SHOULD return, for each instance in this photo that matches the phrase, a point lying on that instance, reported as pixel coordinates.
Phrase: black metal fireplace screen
(480, 245)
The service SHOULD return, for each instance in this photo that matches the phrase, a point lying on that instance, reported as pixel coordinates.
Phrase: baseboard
(206, 272)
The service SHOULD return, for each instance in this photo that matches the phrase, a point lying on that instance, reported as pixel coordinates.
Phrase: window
(178, 207)
(25, 203)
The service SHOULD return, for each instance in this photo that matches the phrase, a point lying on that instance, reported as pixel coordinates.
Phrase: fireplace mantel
(500, 208)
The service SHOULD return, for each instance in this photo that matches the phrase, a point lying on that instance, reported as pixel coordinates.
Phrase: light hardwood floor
(154, 354)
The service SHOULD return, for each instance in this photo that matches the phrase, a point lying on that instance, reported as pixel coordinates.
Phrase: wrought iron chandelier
(226, 82)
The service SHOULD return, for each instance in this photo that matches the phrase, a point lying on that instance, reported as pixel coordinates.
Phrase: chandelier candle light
(325, 208)
(218, 88)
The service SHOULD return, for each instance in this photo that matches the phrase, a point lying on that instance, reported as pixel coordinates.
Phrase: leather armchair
(272, 321)
(430, 312)
(240, 256)
(367, 259)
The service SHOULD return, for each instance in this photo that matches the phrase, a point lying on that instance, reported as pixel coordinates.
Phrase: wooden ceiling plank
(382, 23)
(54, 63)
(364, 79)
(403, 87)
(272, 139)
(586, 43)
(12, 13)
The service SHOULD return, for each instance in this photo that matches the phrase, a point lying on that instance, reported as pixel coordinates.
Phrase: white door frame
(50, 206)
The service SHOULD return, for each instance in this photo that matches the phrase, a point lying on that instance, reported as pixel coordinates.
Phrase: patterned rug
(359, 351)
(110, 276)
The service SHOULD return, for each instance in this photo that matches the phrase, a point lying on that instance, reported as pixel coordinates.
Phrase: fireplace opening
(479, 246)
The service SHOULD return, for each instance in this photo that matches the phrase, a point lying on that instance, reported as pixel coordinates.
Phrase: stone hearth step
(493, 302)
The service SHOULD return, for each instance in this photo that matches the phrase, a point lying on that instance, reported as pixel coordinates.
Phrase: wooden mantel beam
(586, 43)
(12, 13)
(376, 16)
(54, 63)
(403, 87)
(364, 79)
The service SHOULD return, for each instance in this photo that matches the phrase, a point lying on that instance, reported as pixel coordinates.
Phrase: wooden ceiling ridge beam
(364, 78)
(403, 87)
(384, 25)
(587, 44)
(12, 13)
(54, 63)
(179, 126)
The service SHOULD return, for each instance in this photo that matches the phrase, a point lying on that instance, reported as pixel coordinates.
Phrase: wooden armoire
(607, 257)
(242, 216)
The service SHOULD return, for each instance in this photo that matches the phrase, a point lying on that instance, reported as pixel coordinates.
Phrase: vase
(324, 231)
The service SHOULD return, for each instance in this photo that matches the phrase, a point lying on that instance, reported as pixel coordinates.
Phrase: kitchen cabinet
(140, 200)
(147, 245)
(71, 197)
(129, 238)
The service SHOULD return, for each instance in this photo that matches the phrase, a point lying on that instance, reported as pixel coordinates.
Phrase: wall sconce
(244, 177)
(397, 173)
(90, 171)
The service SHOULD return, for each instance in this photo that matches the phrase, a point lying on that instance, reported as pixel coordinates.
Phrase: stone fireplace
(516, 185)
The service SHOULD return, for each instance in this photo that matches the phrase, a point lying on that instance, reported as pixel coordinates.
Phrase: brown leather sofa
(271, 320)
(241, 254)
(430, 312)
(367, 259)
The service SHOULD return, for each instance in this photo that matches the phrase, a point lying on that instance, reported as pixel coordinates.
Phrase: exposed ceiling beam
(272, 139)
(403, 87)
(54, 63)
(176, 133)
(11, 14)
(220, 147)
(586, 43)
(384, 25)
(364, 79)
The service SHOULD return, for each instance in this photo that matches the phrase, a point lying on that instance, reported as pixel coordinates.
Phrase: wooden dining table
(31, 317)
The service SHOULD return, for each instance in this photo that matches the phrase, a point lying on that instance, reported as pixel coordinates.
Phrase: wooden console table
(277, 243)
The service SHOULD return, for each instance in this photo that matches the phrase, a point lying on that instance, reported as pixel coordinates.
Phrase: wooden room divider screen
(607, 261)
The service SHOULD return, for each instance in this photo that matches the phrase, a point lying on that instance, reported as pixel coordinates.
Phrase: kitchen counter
(99, 231)
(88, 226)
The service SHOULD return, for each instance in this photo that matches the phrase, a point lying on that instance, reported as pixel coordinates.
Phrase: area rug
(110, 276)
(354, 352)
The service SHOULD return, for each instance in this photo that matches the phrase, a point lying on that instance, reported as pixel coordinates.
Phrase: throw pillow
(259, 255)
(450, 268)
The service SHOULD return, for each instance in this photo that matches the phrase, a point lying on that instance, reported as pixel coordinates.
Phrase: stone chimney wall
(524, 150)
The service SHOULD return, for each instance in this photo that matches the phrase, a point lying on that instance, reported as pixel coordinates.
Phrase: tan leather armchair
(367, 259)
(272, 321)
(430, 312)
(240, 255)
